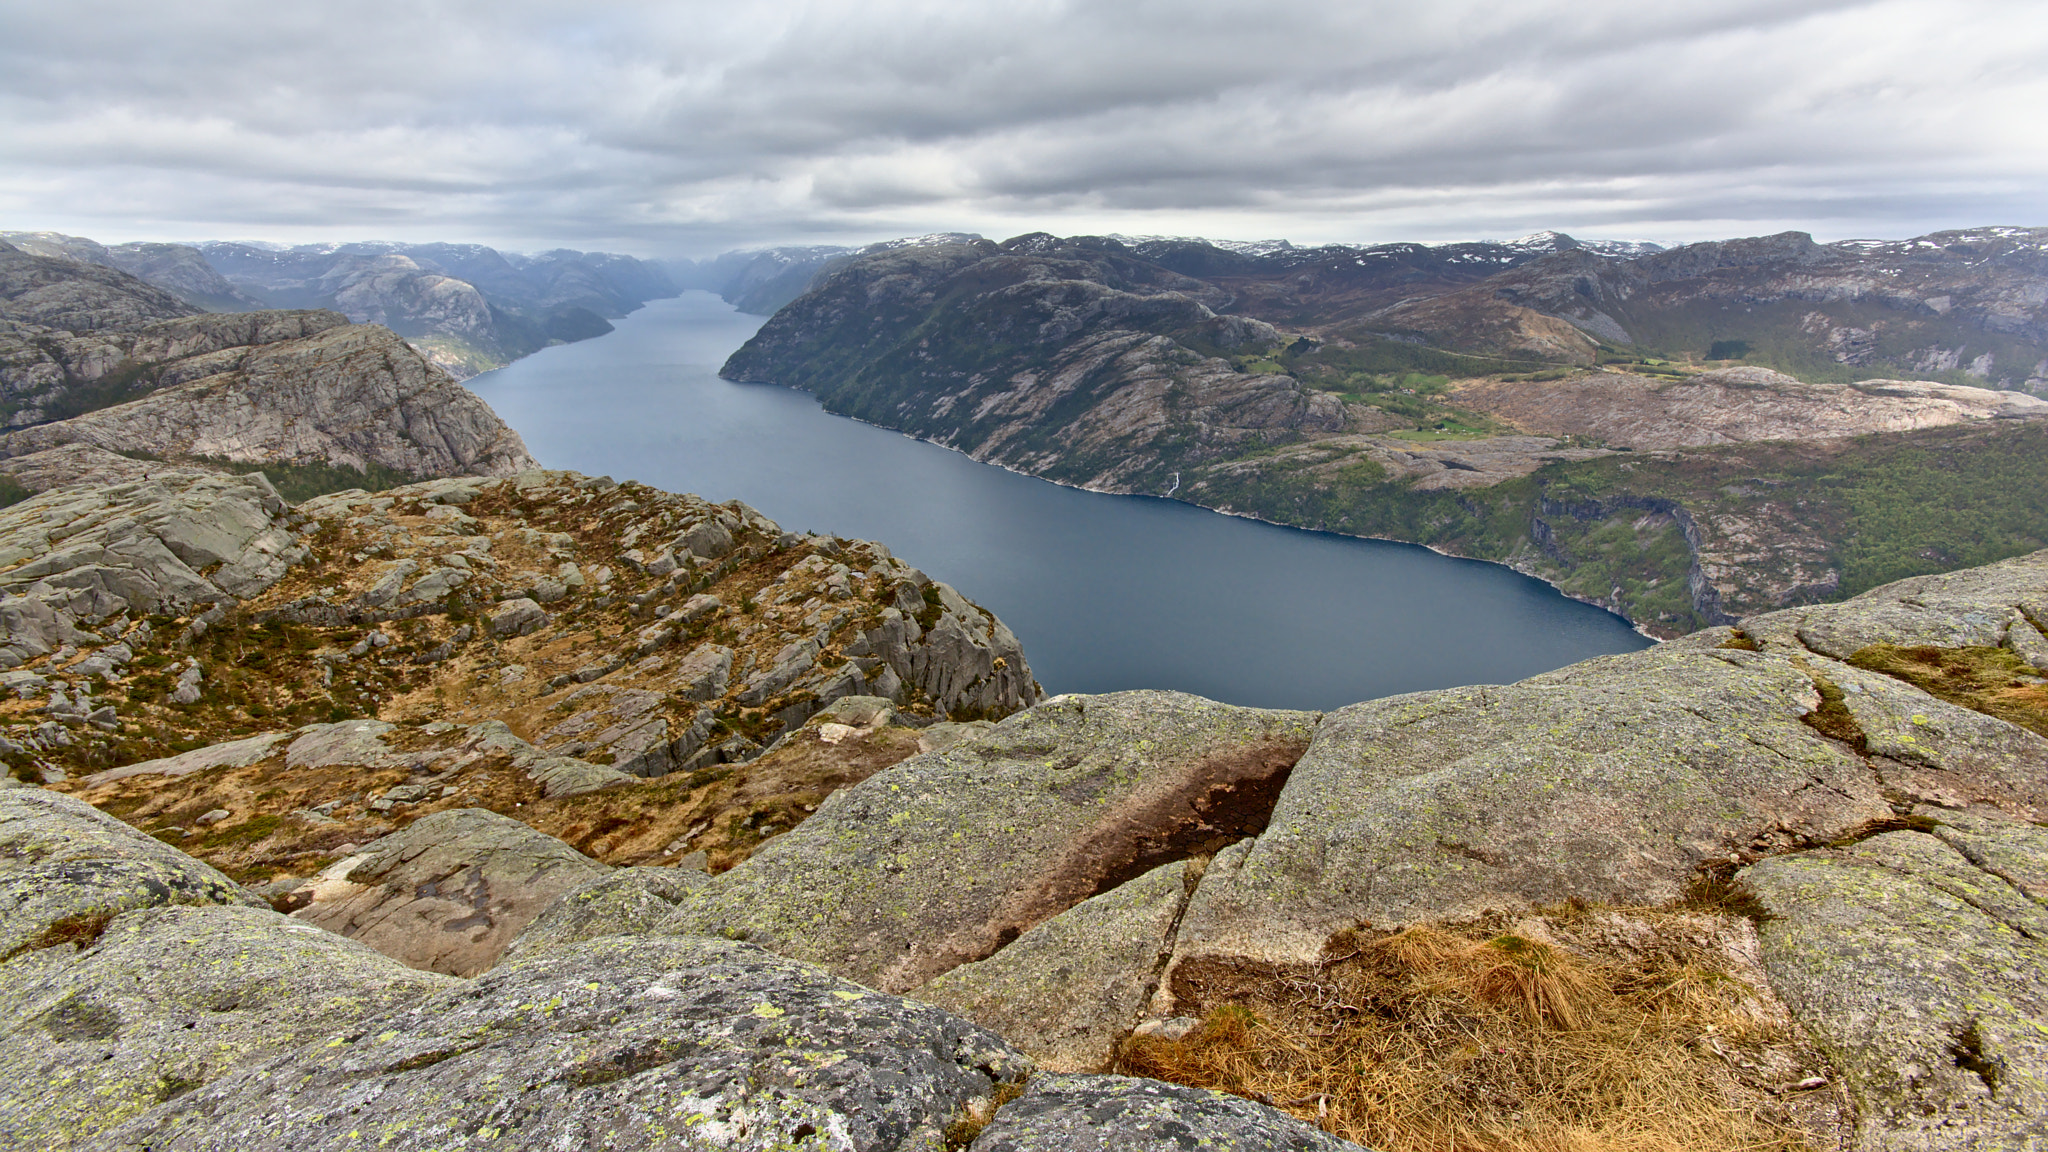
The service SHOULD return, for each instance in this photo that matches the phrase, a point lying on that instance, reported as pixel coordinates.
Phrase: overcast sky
(686, 127)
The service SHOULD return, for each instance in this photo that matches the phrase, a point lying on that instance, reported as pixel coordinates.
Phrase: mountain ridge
(1319, 388)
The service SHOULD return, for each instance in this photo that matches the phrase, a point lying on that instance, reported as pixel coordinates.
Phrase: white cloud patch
(686, 127)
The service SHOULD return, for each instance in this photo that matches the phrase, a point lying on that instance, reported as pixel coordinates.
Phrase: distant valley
(1683, 435)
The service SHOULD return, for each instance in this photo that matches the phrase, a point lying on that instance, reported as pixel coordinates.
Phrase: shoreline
(1634, 626)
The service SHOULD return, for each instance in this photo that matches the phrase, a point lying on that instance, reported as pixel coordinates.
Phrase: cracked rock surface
(1067, 990)
(949, 855)
(1921, 961)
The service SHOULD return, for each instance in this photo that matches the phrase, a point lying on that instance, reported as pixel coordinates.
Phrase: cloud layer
(690, 127)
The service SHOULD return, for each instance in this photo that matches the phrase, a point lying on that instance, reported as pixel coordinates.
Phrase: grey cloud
(679, 127)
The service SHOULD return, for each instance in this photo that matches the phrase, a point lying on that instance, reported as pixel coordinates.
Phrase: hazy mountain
(180, 269)
(469, 307)
(762, 280)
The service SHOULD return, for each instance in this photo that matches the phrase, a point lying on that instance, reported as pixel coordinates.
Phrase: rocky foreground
(549, 812)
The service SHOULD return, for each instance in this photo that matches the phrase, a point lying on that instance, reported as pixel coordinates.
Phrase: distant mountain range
(467, 307)
(762, 280)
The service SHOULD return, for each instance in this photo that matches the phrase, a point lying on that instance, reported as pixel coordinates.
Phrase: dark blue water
(1106, 592)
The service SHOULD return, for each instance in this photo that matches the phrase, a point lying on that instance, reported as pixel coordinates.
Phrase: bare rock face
(1614, 780)
(1917, 959)
(628, 902)
(62, 860)
(449, 892)
(353, 395)
(1128, 1114)
(685, 1044)
(950, 855)
(167, 999)
(1069, 989)
(93, 552)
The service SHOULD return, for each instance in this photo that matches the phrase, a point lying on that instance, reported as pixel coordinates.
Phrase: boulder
(168, 999)
(945, 857)
(704, 673)
(1068, 990)
(517, 617)
(615, 1042)
(1616, 779)
(1069, 1113)
(450, 891)
(1921, 963)
(629, 902)
(64, 862)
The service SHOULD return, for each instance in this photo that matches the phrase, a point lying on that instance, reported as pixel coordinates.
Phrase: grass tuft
(1473, 1039)
(1995, 681)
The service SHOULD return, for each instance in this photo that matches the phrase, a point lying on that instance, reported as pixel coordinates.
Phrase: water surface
(1106, 592)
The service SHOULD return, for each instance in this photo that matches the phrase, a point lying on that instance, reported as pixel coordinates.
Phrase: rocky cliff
(85, 360)
(1429, 394)
(1780, 884)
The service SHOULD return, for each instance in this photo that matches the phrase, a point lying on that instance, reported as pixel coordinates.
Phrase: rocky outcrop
(167, 999)
(233, 1027)
(628, 902)
(89, 553)
(656, 1043)
(450, 892)
(355, 396)
(65, 865)
(949, 856)
(652, 643)
(89, 357)
(1069, 989)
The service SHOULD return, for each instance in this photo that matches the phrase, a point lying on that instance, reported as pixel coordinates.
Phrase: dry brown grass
(77, 932)
(728, 810)
(1479, 1039)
